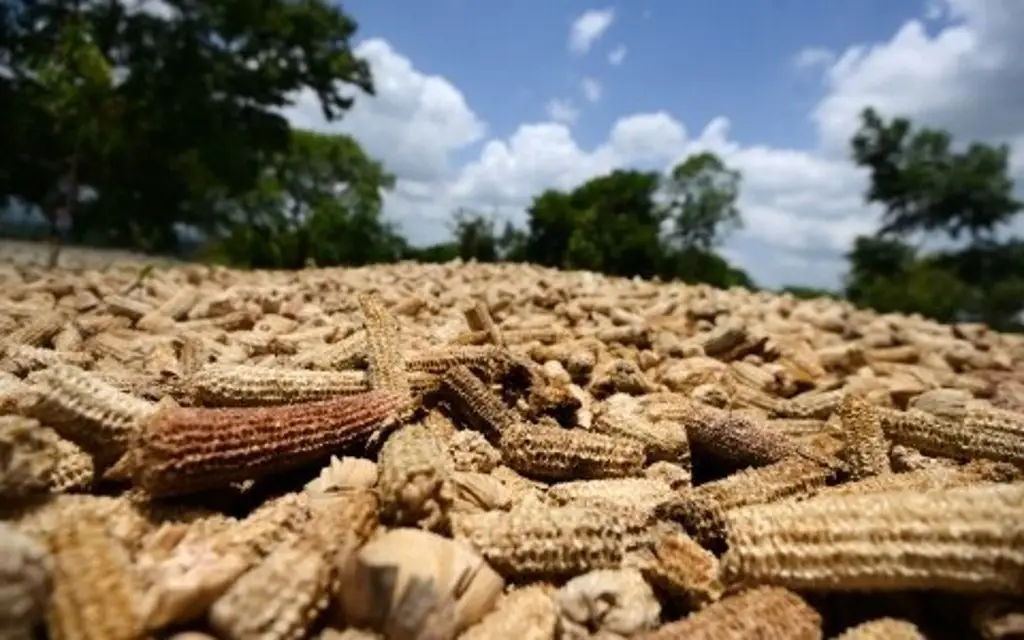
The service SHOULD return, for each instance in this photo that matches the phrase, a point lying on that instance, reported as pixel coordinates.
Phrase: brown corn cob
(867, 450)
(94, 594)
(248, 385)
(554, 453)
(279, 599)
(171, 310)
(483, 408)
(935, 477)
(883, 629)
(38, 331)
(478, 317)
(765, 612)
(131, 308)
(813, 405)
(183, 450)
(384, 350)
(963, 539)
(639, 493)
(528, 613)
(348, 352)
(991, 434)
(87, 411)
(737, 439)
(676, 476)
(26, 573)
(545, 543)
(193, 355)
(486, 359)
(28, 457)
(415, 483)
(13, 391)
(701, 510)
(470, 451)
(684, 569)
(621, 415)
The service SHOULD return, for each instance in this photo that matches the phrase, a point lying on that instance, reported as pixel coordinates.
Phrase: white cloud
(802, 206)
(591, 89)
(562, 111)
(588, 29)
(814, 58)
(617, 55)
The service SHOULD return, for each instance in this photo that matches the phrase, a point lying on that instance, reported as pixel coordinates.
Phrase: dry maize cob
(545, 543)
(26, 576)
(935, 477)
(28, 457)
(621, 415)
(964, 539)
(867, 450)
(470, 451)
(87, 411)
(279, 599)
(560, 454)
(415, 483)
(642, 494)
(999, 618)
(94, 594)
(38, 331)
(766, 612)
(684, 569)
(478, 317)
(248, 385)
(736, 438)
(482, 407)
(383, 349)
(990, 434)
(488, 360)
(183, 450)
(167, 312)
(132, 308)
(611, 602)
(883, 629)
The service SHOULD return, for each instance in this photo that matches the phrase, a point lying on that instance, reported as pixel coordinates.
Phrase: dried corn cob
(685, 570)
(415, 483)
(766, 612)
(487, 360)
(350, 351)
(883, 629)
(478, 317)
(639, 493)
(935, 477)
(528, 613)
(38, 331)
(167, 312)
(75, 469)
(383, 349)
(963, 539)
(545, 543)
(621, 415)
(248, 386)
(737, 439)
(561, 454)
(470, 451)
(701, 510)
(28, 457)
(183, 450)
(999, 618)
(279, 599)
(991, 434)
(87, 411)
(94, 594)
(484, 410)
(26, 573)
(867, 450)
(607, 602)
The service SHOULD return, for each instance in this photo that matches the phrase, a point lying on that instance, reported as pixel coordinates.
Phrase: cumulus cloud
(802, 206)
(588, 29)
(617, 55)
(813, 58)
(562, 111)
(591, 89)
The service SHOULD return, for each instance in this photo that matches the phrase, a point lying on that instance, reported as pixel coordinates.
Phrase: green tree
(475, 236)
(702, 194)
(925, 186)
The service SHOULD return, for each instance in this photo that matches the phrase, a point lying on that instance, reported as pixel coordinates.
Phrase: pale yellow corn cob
(999, 618)
(247, 385)
(963, 539)
(701, 510)
(478, 317)
(489, 361)
(935, 477)
(75, 469)
(113, 347)
(470, 451)
(615, 602)
(348, 634)
(26, 582)
(28, 457)
(87, 411)
(676, 476)
(38, 331)
(685, 570)
(94, 594)
(68, 339)
(867, 451)
(415, 484)
(193, 354)
(350, 351)
(554, 453)
(476, 492)
(171, 310)
(343, 475)
(384, 349)
(279, 599)
(22, 359)
(811, 405)
(766, 612)
(528, 613)
(131, 308)
(903, 459)
(622, 416)
(13, 392)
(545, 543)
(747, 396)
(883, 629)
(184, 450)
(642, 494)
(482, 407)
(983, 433)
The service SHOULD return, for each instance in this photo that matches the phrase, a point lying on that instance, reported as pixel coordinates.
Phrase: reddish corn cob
(183, 450)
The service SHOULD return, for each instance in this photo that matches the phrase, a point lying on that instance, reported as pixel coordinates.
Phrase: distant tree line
(131, 129)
